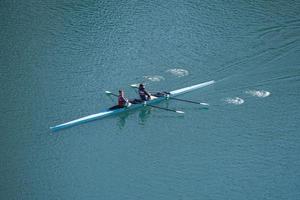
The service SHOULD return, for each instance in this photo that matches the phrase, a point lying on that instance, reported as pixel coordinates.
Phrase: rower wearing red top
(144, 95)
(122, 101)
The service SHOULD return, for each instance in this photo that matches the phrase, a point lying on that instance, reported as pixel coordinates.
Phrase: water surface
(58, 58)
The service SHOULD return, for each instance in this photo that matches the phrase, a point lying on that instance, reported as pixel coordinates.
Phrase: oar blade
(108, 92)
(204, 104)
(179, 111)
(134, 85)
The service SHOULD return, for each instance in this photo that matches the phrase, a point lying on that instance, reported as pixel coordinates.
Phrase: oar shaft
(167, 109)
(185, 100)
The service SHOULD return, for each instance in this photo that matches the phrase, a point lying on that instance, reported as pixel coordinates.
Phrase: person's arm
(125, 100)
(148, 94)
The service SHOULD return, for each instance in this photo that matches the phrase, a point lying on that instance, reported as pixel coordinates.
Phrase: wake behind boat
(158, 97)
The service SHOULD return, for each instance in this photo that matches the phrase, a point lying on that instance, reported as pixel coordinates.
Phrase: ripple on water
(235, 100)
(258, 93)
(154, 78)
(178, 72)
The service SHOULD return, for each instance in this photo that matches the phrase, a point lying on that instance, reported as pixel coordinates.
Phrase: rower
(122, 101)
(144, 95)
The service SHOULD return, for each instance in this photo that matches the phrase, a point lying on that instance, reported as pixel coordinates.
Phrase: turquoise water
(57, 59)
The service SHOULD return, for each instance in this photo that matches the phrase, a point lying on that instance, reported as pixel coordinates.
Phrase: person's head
(142, 86)
(121, 92)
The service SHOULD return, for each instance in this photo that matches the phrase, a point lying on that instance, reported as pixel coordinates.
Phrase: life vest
(142, 94)
(122, 101)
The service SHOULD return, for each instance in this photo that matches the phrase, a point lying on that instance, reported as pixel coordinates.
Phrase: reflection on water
(144, 114)
(122, 120)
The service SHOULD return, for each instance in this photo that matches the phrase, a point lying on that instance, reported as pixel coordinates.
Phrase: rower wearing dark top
(144, 95)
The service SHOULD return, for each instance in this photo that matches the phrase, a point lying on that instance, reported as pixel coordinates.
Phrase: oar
(110, 93)
(189, 101)
(167, 109)
(195, 102)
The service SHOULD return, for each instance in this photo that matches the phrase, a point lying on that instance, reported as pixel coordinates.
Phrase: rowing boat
(108, 112)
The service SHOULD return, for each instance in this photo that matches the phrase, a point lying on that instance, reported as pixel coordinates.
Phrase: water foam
(155, 78)
(235, 100)
(257, 93)
(178, 72)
